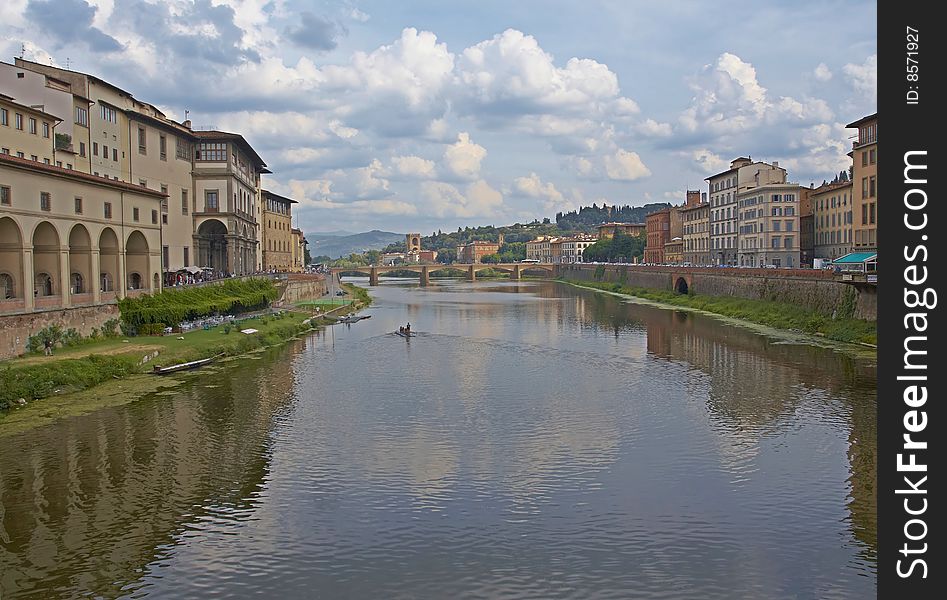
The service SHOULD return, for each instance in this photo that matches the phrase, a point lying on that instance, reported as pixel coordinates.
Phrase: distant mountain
(343, 245)
(327, 234)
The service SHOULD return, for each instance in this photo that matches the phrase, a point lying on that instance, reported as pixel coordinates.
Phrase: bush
(41, 380)
(174, 306)
(71, 337)
(110, 328)
(227, 328)
(151, 329)
(37, 341)
(128, 330)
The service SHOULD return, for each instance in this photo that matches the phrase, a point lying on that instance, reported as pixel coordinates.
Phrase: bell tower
(412, 243)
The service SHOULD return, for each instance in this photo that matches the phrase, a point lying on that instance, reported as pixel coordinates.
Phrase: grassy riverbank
(778, 315)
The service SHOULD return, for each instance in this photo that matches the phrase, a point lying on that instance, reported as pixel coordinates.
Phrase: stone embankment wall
(299, 287)
(812, 289)
(16, 329)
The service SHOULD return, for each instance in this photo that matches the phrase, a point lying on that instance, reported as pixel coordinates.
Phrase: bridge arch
(680, 286)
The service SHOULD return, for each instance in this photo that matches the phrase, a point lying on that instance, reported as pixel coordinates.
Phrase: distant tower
(500, 239)
(412, 243)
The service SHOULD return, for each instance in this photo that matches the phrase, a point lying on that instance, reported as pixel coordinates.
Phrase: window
(5, 196)
(864, 158)
(212, 151)
(18, 121)
(108, 210)
(165, 257)
(871, 213)
(163, 147)
(135, 214)
(154, 217)
(76, 280)
(45, 201)
(82, 116)
(34, 158)
(142, 141)
(864, 214)
(143, 182)
(45, 129)
(4, 151)
(184, 208)
(210, 200)
(105, 152)
(776, 242)
(864, 187)
(6, 287)
(78, 205)
(81, 148)
(32, 125)
(108, 113)
(871, 187)
(872, 156)
(182, 149)
(4, 117)
(164, 201)
(115, 154)
(788, 241)
(187, 252)
(776, 225)
(95, 148)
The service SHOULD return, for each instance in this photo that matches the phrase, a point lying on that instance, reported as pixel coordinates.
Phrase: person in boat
(401, 329)
(407, 328)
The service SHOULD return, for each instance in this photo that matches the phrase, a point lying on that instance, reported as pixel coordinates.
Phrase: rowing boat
(158, 370)
(406, 333)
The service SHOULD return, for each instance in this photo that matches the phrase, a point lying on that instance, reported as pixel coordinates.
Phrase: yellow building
(299, 250)
(865, 184)
(607, 230)
(279, 245)
(26, 132)
(71, 239)
(833, 214)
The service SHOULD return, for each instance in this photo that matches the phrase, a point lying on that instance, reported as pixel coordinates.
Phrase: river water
(534, 440)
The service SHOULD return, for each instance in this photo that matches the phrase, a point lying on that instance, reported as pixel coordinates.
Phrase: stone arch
(11, 260)
(108, 260)
(136, 260)
(212, 245)
(680, 286)
(80, 260)
(46, 260)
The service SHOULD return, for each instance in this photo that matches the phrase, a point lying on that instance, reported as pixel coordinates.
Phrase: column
(425, 280)
(95, 276)
(29, 299)
(471, 274)
(516, 272)
(372, 276)
(64, 278)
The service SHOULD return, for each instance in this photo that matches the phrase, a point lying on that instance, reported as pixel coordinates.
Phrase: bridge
(514, 269)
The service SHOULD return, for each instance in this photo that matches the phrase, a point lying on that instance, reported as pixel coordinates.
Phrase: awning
(192, 269)
(856, 258)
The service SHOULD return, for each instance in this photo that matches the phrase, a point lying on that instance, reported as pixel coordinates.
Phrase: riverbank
(776, 315)
(73, 373)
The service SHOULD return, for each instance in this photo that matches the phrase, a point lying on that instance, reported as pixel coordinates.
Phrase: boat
(406, 334)
(353, 318)
(158, 370)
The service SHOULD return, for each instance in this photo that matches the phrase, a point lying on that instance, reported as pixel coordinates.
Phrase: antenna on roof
(22, 50)
(67, 63)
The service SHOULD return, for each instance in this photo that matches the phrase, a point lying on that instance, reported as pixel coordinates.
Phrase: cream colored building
(865, 181)
(26, 132)
(833, 215)
(571, 249)
(768, 218)
(695, 240)
(71, 239)
(279, 247)
(299, 250)
(723, 189)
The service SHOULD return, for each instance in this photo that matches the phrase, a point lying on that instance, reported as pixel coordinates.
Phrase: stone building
(768, 218)
(276, 224)
(865, 184)
(833, 215)
(658, 225)
(607, 230)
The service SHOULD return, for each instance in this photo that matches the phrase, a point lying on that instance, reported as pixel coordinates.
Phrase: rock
(21, 401)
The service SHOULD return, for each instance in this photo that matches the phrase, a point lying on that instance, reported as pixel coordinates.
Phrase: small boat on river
(353, 318)
(158, 370)
(406, 333)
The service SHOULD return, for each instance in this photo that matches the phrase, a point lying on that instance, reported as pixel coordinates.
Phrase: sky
(425, 115)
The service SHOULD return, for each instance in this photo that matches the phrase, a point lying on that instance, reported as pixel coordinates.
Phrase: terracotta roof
(871, 117)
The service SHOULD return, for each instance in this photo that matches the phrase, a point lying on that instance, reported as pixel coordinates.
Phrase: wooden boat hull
(194, 364)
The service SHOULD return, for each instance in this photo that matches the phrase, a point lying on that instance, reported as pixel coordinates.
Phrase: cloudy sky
(420, 115)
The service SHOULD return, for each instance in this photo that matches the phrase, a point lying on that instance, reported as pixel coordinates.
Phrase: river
(534, 440)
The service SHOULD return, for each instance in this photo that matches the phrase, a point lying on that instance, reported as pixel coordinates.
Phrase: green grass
(779, 315)
(333, 302)
(82, 367)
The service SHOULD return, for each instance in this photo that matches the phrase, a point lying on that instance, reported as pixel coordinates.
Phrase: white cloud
(864, 78)
(414, 166)
(822, 72)
(707, 161)
(552, 199)
(464, 156)
(445, 200)
(625, 166)
(651, 128)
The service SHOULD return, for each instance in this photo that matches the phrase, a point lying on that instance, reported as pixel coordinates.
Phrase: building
(674, 251)
(658, 226)
(473, 252)
(299, 250)
(70, 239)
(768, 218)
(427, 256)
(806, 241)
(571, 249)
(412, 242)
(833, 213)
(696, 238)
(723, 189)
(279, 246)
(865, 184)
(27, 132)
(608, 230)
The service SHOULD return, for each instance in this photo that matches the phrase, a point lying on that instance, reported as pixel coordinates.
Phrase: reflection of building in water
(88, 502)
(754, 383)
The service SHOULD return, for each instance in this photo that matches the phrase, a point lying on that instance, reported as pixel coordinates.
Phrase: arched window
(105, 282)
(134, 281)
(76, 283)
(6, 287)
(43, 285)
(155, 282)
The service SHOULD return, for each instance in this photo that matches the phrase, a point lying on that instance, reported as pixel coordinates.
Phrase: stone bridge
(514, 269)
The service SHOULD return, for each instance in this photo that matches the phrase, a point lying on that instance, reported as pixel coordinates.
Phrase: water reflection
(534, 440)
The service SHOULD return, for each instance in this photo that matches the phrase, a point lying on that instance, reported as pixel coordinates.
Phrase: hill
(335, 246)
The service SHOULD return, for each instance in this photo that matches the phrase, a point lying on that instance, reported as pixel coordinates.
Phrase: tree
(373, 256)
(307, 259)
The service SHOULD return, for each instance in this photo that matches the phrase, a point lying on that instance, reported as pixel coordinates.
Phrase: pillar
(96, 274)
(516, 272)
(65, 283)
(373, 276)
(29, 299)
(471, 274)
(425, 279)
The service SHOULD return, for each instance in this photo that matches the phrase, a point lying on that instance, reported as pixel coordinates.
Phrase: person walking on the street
(48, 347)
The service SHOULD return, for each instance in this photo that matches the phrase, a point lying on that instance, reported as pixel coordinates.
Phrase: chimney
(776, 164)
(187, 123)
